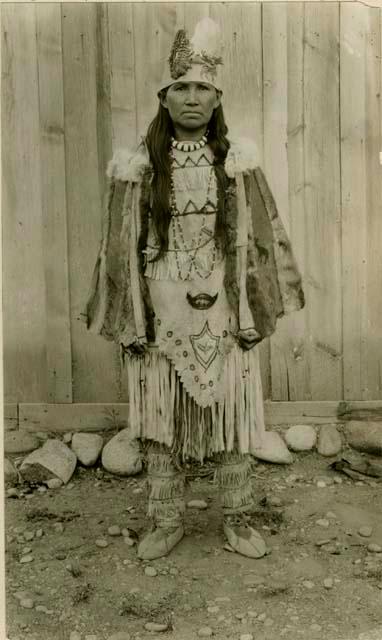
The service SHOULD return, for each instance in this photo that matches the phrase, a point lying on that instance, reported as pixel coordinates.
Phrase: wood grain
(94, 370)
(24, 334)
(53, 189)
(123, 80)
(322, 199)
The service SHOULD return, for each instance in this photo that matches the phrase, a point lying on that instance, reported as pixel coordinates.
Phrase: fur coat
(259, 256)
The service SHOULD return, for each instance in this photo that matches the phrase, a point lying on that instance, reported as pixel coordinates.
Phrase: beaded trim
(188, 146)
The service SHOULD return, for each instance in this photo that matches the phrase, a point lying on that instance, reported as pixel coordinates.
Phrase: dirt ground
(318, 581)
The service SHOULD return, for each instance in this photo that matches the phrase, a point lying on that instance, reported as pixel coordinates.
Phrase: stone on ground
(54, 483)
(197, 504)
(54, 458)
(205, 632)
(301, 437)
(273, 449)
(20, 442)
(87, 447)
(156, 626)
(121, 455)
(329, 441)
(10, 472)
(364, 436)
(365, 531)
(374, 548)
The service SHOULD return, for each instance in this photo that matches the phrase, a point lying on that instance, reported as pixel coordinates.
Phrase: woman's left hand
(248, 338)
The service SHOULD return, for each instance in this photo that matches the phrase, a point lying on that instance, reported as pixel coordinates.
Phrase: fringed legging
(166, 481)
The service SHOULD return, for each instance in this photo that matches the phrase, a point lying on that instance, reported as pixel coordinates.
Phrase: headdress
(198, 59)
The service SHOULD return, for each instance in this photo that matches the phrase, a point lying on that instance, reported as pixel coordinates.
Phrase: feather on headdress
(197, 59)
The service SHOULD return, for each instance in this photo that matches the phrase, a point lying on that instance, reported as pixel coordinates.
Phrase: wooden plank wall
(80, 79)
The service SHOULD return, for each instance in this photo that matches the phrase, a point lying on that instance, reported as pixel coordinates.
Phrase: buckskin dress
(195, 389)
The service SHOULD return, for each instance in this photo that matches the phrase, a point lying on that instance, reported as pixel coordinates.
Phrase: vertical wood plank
(123, 80)
(274, 41)
(242, 71)
(322, 198)
(94, 370)
(372, 382)
(23, 270)
(361, 197)
(103, 85)
(55, 237)
(158, 22)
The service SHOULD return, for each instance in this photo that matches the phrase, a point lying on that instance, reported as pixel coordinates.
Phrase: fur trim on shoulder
(128, 165)
(242, 156)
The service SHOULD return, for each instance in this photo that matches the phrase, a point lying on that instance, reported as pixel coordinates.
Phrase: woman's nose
(191, 97)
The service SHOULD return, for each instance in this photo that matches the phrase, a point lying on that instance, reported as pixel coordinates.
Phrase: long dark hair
(158, 141)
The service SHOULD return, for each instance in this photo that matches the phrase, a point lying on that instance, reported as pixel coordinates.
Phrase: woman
(193, 271)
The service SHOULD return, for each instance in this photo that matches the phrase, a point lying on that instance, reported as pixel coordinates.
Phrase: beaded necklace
(177, 231)
(189, 146)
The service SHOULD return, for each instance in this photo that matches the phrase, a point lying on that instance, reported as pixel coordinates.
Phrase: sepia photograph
(191, 223)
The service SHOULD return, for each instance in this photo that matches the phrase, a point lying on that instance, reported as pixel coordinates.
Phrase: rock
(323, 522)
(20, 442)
(27, 603)
(11, 475)
(301, 437)
(75, 635)
(151, 572)
(273, 449)
(39, 533)
(12, 493)
(120, 635)
(155, 626)
(214, 609)
(246, 636)
(54, 483)
(101, 542)
(328, 583)
(321, 484)
(364, 436)
(197, 504)
(54, 458)
(67, 438)
(365, 532)
(121, 455)
(374, 548)
(58, 527)
(262, 617)
(114, 530)
(205, 632)
(308, 584)
(28, 536)
(329, 441)
(26, 559)
(87, 447)
(129, 541)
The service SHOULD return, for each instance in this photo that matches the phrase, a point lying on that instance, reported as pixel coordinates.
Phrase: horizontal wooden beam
(10, 416)
(61, 418)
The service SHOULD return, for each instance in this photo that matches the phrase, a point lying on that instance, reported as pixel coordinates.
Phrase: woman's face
(190, 105)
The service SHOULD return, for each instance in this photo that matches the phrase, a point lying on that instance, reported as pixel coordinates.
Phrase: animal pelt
(273, 282)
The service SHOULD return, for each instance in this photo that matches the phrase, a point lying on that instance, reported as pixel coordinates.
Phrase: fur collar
(130, 165)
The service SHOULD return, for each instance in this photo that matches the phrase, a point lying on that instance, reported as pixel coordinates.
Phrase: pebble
(205, 632)
(26, 551)
(240, 616)
(308, 584)
(374, 548)
(246, 636)
(39, 533)
(197, 504)
(59, 527)
(328, 583)
(120, 635)
(274, 501)
(268, 622)
(114, 530)
(29, 535)
(54, 483)
(129, 541)
(320, 543)
(42, 489)
(91, 637)
(67, 438)
(27, 603)
(365, 532)
(337, 480)
(262, 617)
(75, 636)
(41, 608)
(252, 614)
(323, 522)
(151, 572)
(331, 515)
(101, 542)
(213, 609)
(26, 559)
(155, 626)
(315, 627)
(321, 484)
(174, 571)
(12, 493)
(223, 599)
